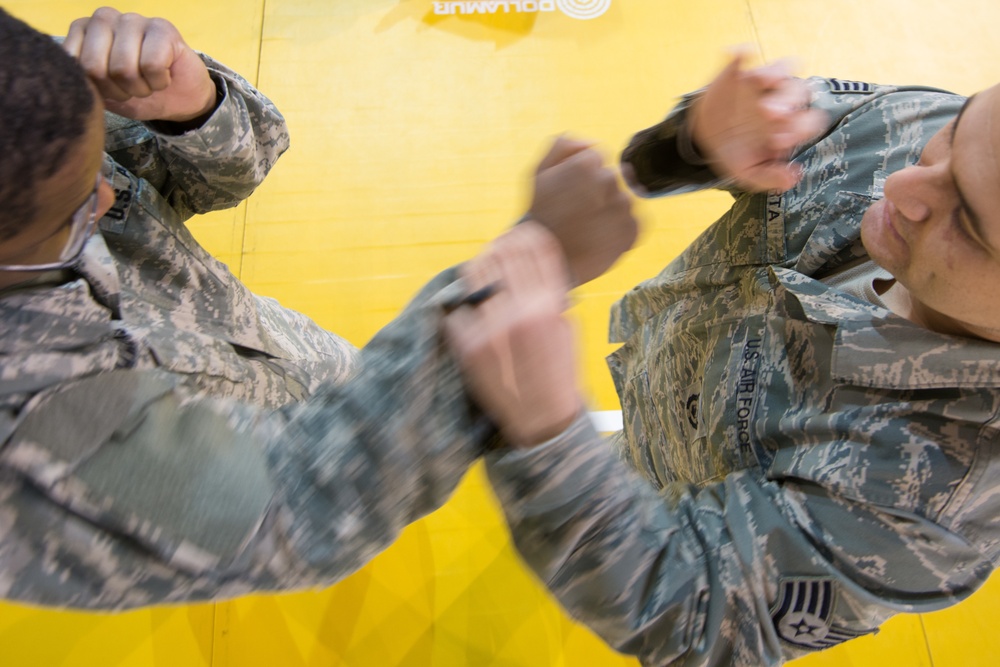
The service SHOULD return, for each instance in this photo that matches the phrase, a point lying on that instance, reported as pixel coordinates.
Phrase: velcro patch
(125, 186)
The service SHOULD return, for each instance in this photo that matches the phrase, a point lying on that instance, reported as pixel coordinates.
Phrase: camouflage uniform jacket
(809, 463)
(145, 458)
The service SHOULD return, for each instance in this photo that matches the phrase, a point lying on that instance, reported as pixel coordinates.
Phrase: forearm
(603, 541)
(695, 576)
(189, 499)
(214, 166)
(379, 452)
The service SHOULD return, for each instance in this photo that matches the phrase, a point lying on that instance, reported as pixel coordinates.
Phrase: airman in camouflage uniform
(168, 436)
(156, 443)
(809, 462)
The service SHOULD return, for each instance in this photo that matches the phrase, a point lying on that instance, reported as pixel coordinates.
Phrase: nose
(919, 192)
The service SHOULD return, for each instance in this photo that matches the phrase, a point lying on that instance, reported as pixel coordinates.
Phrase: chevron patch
(804, 612)
(838, 86)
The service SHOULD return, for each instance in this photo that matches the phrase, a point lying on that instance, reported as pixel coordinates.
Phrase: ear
(105, 198)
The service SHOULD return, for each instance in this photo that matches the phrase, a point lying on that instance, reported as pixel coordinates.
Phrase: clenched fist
(141, 66)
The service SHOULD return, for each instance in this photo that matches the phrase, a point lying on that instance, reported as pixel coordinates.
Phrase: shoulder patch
(839, 86)
(804, 612)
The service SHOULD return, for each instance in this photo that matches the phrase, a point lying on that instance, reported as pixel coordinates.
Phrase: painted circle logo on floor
(584, 9)
(577, 9)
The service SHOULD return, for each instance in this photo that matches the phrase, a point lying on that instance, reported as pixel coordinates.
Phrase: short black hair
(45, 105)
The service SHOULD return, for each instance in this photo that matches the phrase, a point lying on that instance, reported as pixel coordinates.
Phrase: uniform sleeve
(215, 166)
(740, 572)
(121, 490)
(662, 160)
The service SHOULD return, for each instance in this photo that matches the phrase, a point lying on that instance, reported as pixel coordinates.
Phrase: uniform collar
(876, 348)
(98, 267)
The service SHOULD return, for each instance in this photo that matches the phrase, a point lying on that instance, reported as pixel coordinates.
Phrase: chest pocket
(662, 407)
(645, 441)
(691, 406)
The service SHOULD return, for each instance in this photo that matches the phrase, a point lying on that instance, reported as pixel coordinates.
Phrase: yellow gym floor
(414, 135)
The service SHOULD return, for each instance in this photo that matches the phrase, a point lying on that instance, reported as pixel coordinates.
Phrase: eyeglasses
(81, 227)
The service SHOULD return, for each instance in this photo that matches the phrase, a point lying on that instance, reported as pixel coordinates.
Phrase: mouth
(887, 209)
(880, 233)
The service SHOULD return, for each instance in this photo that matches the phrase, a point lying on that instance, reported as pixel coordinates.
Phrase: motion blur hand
(516, 347)
(579, 200)
(747, 122)
(141, 66)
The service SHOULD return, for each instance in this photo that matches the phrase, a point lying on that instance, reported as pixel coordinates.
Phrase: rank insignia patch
(804, 612)
(838, 86)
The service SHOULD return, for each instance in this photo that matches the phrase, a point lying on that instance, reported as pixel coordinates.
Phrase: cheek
(951, 239)
(951, 272)
(39, 252)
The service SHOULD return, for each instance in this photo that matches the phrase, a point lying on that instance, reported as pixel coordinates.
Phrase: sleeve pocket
(125, 452)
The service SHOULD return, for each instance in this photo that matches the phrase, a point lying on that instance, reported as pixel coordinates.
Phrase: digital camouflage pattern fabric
(808, 463)
(170, 436)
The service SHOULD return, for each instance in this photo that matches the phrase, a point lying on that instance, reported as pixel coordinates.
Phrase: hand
(580, 201)
(516, 348)
(747, 122)
(142, 67)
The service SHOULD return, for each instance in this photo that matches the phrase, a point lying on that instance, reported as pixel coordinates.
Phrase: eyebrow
(977, 223)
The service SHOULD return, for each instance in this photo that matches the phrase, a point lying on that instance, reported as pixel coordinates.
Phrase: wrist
(194, 119)
(210, 102)
(571, 264)
(689, 147)
(533, 431)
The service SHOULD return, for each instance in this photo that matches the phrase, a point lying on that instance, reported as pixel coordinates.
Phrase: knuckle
(79, 24)
(161, 25)
(106, 14)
